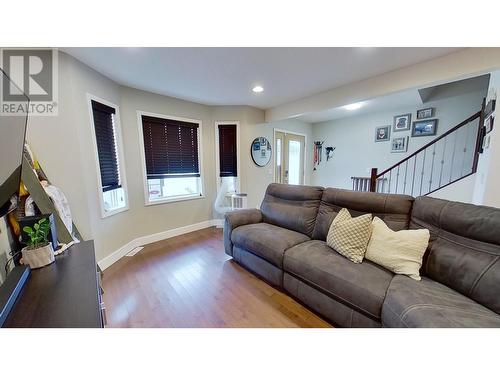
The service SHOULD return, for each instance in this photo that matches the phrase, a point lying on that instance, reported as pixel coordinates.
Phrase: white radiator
(238, 201)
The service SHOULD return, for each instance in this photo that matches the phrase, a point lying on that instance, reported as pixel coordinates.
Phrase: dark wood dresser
(65, 294)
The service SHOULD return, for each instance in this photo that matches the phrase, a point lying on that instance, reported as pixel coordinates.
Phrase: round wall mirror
(261, 151)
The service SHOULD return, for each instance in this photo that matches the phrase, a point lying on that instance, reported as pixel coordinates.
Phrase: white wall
(487, 183)
(356, 151)
(460, 191)
(64, 147)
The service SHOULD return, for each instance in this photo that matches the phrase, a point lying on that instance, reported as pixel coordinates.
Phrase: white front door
(289, 158)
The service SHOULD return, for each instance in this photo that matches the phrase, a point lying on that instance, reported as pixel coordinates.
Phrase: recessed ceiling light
(353, 106)
(258, 89)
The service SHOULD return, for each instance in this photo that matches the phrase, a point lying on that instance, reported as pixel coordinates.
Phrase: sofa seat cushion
(427, 303)
(360, 286)
(266, 241)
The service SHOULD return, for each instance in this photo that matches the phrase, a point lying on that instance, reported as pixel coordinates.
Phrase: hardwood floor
(188, 281)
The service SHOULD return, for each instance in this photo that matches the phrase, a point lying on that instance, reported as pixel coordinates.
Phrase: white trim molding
(147, 202)
(121, 156)
(217, 156)
(275, 154)
(155, 237)
(218, 223)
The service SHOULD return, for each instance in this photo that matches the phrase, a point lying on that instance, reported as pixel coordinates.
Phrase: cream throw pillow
(400, 252)
(349, 236)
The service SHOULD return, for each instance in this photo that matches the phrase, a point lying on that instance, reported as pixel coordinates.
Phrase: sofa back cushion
(464, 248)
(393, 209)
(291, 206)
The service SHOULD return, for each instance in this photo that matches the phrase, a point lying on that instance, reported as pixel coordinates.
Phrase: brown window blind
(170, 148)
(106, 145)
(227, 151)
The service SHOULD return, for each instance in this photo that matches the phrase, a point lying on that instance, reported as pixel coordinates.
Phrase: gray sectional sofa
(284, 243)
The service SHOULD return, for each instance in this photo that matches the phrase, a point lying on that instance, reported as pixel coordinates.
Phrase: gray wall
(257, 178)
(356, 151)
(64, 147)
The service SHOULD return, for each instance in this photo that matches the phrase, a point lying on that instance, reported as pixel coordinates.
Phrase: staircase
(445, 160)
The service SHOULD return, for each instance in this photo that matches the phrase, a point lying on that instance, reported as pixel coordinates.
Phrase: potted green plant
(39, 251)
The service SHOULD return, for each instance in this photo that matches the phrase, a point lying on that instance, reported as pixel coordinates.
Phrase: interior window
(113, 194)
(171, 159)
(228, 158)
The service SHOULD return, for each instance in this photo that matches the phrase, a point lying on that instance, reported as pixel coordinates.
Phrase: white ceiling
(396, 100)
(402, 99)
(225, 76)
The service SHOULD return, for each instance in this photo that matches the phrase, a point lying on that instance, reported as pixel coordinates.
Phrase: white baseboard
(116, 255)
(141, 241)
(219, 223)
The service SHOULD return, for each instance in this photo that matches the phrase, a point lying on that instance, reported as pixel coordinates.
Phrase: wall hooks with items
(329, 152)
(318, 149)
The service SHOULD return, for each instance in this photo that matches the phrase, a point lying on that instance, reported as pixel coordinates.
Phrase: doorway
(289, 157)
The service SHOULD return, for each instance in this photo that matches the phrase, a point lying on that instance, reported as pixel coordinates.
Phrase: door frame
(238, 159)
(275, 153)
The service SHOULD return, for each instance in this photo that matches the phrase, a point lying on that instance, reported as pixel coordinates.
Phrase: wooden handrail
(473, 157)
(463, 123)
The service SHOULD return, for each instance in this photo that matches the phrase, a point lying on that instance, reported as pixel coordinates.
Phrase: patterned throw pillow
(349, 236)
(400, 252)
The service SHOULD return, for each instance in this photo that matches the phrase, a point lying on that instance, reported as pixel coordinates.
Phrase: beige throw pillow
(349, 236)
(400, 252)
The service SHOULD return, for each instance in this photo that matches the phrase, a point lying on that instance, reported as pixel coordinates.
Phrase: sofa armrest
(234, 219)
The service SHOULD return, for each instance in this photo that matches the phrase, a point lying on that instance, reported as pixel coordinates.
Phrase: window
(227, 154)
(228, 168)
(112, 191)
(227, 151)
(171, 158)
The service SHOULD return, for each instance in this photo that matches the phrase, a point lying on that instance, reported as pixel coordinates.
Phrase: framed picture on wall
(424, 128)
(402, 122)
(425, 113)
(382, 133)
(400, 144)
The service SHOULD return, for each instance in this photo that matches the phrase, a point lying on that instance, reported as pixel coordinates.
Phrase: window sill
(106, 214)
(174, 199)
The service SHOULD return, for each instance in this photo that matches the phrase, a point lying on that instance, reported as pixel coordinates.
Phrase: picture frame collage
(424, 125)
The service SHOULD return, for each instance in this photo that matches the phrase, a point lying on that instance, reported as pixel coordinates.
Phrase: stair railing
(363, 183)
(447, 159)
